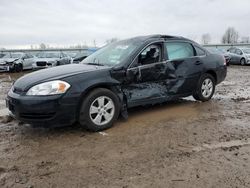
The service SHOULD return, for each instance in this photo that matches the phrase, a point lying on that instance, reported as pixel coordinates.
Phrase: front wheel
(18, 67)
(242, 61)
(99, 110)
(205, 88)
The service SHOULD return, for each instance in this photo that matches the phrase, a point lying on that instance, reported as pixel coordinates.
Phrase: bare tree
(245, 40)
(231, 36)
(42, 46)
(205, 38)
(94, 43)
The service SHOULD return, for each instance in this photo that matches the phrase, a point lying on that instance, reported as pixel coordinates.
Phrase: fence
(72, 50)
(69, 50)
(226, 46)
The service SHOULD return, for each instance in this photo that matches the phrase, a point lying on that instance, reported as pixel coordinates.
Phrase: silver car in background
(16, 62)
(50, 59)
(240, 56)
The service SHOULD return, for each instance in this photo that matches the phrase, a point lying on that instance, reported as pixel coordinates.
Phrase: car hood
(54, 73)
(46, 59)
(8, 60)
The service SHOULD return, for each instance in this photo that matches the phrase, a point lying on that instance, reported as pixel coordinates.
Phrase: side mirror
(133, 74)
(118, 72)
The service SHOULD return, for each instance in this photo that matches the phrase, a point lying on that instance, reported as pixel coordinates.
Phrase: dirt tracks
(178, 144)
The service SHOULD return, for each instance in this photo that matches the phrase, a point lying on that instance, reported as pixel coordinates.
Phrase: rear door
(239, 55)
(233, 55)
(187, 64)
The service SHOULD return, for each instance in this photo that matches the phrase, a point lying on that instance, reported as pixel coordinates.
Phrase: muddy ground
(178, 144)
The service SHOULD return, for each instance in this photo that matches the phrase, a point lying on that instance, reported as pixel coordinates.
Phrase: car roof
(158, 36)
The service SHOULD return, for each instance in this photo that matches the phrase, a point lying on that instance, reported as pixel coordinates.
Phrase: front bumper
(43, 65)
(49, 111)
(5, 68)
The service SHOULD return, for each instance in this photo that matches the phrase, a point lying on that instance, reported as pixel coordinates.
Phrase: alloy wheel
(102, 110)
(207, 88)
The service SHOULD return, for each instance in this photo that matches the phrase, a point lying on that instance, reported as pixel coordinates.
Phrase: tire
(95, 116)
(242, 61)
(205, 88)
(18, 67)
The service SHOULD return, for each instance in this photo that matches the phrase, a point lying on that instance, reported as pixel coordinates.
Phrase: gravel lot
(179, 144)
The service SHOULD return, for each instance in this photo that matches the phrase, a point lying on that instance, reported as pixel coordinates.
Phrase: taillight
(225, 61)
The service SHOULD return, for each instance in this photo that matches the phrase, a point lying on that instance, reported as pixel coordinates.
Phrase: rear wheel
(242, 61)
(205, 88)
(99, 110)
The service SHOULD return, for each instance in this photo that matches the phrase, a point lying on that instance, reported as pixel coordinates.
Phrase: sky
(69, 22)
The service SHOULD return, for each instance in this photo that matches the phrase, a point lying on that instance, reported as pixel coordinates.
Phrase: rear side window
(179, 50)
(199, 51)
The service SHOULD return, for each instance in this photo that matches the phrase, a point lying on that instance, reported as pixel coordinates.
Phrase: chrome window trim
(148, 65)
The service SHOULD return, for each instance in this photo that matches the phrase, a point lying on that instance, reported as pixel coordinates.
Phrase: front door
(145, 79)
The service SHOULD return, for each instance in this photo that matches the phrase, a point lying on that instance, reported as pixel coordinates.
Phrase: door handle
(198, 63)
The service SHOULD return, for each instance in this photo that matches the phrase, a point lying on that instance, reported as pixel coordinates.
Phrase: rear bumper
(221, 73)
(49, 111)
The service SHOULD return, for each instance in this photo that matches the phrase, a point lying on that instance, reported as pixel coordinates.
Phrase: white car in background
(240, 56)
(50, 59)
(16, 62)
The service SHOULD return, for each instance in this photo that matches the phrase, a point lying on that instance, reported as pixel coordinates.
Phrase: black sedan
(138, 71)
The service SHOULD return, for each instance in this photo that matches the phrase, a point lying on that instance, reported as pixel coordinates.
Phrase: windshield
(247, 51)
(112, 54)
(49, 55)
(13, 55)
(81, 54)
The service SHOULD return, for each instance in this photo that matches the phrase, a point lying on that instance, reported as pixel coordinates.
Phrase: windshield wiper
(98, 64)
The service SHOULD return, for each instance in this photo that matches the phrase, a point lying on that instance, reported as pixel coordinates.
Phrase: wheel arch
(115, 88)
(242, 59)
(212, 73)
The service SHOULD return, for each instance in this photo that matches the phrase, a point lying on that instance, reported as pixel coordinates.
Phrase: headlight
(49, 88)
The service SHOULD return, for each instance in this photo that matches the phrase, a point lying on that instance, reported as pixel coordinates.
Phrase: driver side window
(150, 55)
(25, 56)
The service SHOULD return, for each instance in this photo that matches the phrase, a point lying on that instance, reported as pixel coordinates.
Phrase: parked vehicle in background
(240, 56)
(82, 55)
(221, 52)
(16, 62)
(50, 59)
(124, 74)
(2, 54)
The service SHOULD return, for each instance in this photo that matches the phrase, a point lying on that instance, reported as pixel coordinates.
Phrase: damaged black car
(128, 73)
